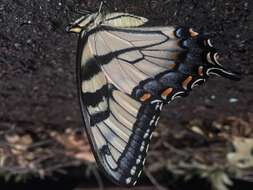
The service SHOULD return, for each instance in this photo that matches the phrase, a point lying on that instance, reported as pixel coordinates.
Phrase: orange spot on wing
(145, 97)
(193, 33)
(186, 82)
(166, 92)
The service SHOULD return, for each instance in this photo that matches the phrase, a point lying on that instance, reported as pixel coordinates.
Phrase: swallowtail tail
(126, 73)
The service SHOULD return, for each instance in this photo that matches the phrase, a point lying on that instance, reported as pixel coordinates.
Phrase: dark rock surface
(37, 58)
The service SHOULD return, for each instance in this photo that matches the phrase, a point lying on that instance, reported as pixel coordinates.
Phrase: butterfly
(126, 72)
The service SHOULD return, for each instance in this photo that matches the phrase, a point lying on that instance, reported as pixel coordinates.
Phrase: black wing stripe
(99, 117)
(93, 99)
(89, 69)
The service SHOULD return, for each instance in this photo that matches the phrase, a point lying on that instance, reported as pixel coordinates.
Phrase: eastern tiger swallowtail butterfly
(126, 73)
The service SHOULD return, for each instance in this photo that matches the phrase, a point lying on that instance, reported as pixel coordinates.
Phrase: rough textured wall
(37, 60)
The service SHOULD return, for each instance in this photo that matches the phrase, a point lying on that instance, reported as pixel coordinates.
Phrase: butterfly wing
(118, 126)
(123, 20)
(125, 76)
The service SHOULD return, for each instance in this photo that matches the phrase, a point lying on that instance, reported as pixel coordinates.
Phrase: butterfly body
(126, 73)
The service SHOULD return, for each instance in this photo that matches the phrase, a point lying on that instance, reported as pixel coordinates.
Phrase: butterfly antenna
(82, 11)
(101, 6)
(104, 4)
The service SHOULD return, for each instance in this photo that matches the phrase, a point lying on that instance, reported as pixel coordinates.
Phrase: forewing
(135, 55)
(119, 127)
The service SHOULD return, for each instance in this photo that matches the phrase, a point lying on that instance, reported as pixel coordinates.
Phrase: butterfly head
(87, 21)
